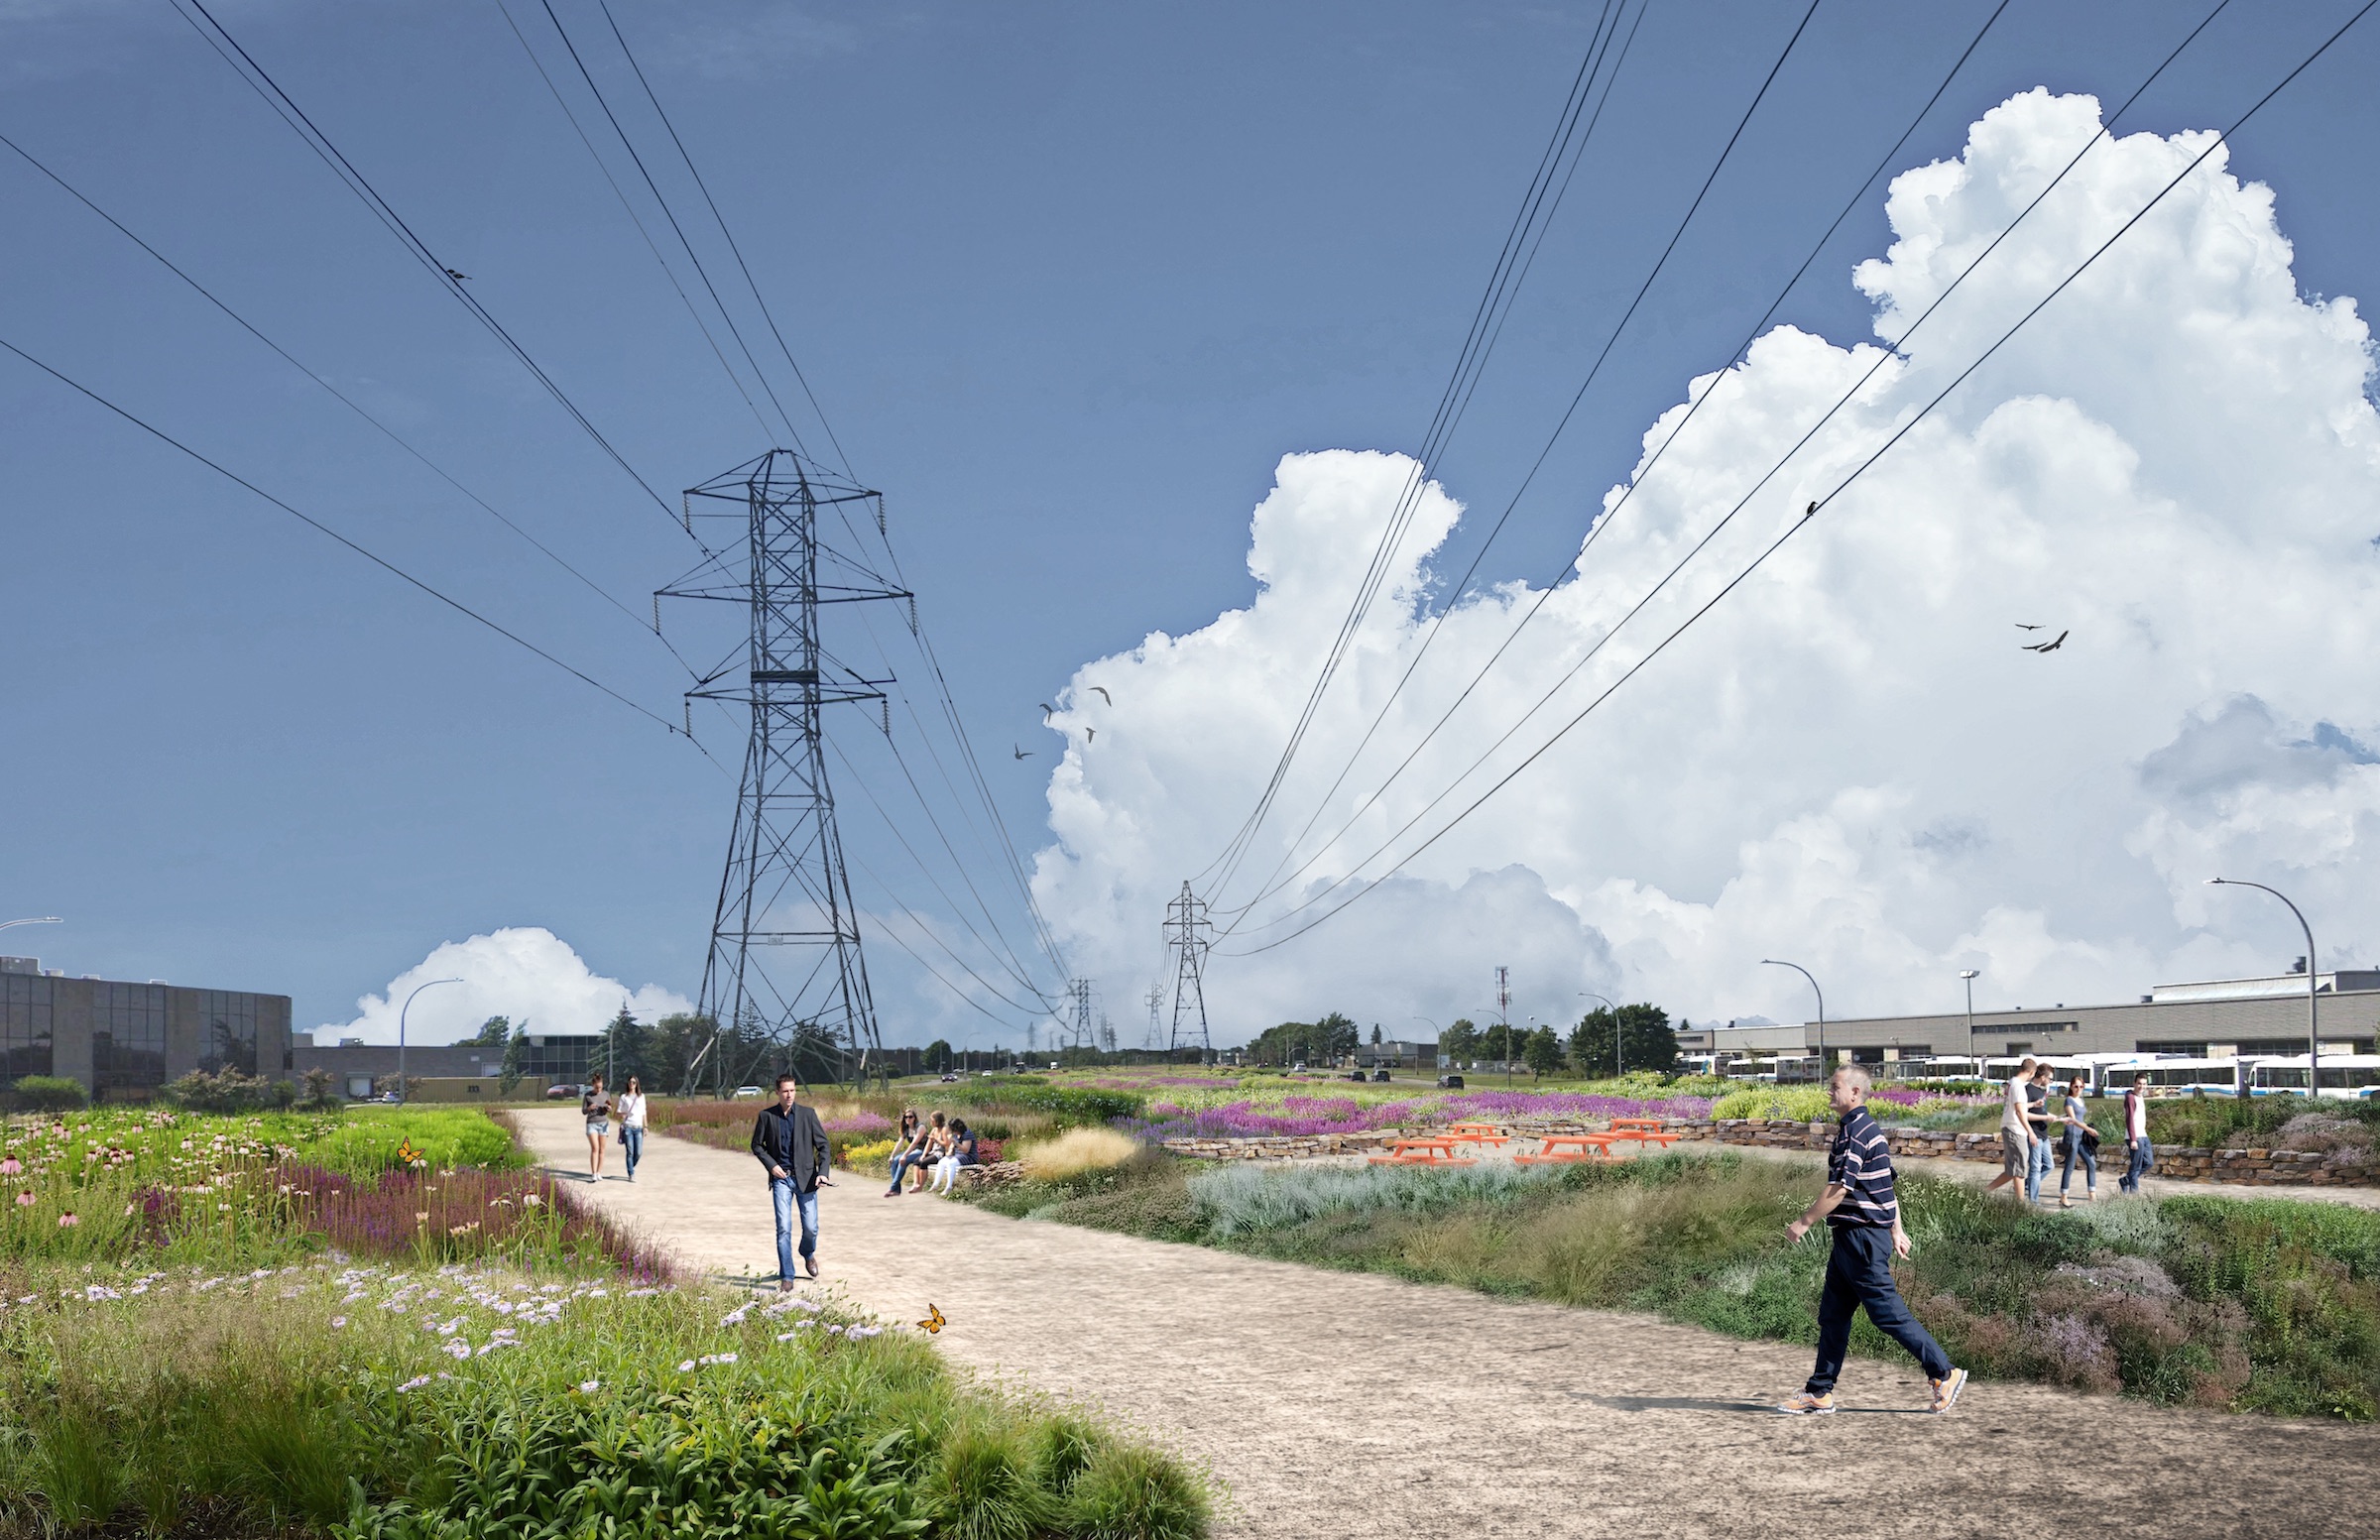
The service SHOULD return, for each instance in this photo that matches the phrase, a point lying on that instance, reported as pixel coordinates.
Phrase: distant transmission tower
(1156, 998)
(1185, 926)
(1080, 1033)
(785, 961)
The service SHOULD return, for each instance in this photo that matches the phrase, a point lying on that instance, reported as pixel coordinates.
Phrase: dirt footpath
(1351, 1405)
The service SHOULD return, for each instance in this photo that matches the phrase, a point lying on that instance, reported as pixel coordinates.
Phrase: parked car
(1379, 1077)
(1450, 1082)
(950, 1080)
(748, 1094)
(563, 1092)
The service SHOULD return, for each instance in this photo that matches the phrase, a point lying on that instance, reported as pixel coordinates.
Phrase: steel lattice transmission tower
(785, 959)
(1185, 926)
(1080, 1034)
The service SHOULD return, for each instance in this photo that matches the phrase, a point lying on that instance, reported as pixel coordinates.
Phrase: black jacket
(794, 1143)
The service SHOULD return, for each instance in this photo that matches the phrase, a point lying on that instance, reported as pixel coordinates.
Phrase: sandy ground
(1351, 1405)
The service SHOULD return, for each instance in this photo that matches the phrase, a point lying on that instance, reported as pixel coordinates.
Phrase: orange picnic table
(1421, 1153)
(1478, 1133)
(1581, 1147)
(1644, 1130)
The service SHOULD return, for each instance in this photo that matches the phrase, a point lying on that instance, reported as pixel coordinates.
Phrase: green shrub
(228, 1092)
(1131, 1493)
(1802, 1104)
(51, 1094)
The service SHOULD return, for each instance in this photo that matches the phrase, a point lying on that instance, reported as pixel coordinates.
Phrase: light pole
(2314, 1041)
(1774, 962)
(401, 1012)
(1967, 977)
(1616, 1071)
(45, 919)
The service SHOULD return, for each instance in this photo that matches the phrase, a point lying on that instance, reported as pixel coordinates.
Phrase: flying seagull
(1103, 694)
(2046, 646)
(1020, 752)
(2021, 626)
(1090, 732)
(460, 277)
(1047, 711)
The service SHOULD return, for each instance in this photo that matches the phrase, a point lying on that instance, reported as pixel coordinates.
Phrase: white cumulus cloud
(1850, 762)
(523, 972)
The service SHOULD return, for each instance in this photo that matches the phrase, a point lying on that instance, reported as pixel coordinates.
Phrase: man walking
(791, 1144)
(2136, 1136)
(2016, 1133)
(1861, 1208)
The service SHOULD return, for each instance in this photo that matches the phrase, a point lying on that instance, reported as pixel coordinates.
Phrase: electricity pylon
(1185, 922)
(784, 958)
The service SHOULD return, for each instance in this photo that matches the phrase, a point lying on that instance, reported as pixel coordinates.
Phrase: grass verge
(2255, 1305)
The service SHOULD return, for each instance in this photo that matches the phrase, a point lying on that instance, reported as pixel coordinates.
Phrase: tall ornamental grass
(369, 1403)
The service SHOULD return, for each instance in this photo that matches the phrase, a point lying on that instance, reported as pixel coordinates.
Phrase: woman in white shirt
(631, 1124)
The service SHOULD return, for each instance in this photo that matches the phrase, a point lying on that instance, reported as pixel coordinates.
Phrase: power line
(340, 395)
(377, 560)
(266, 87)
(1276, 881)
(1486, 328)
(1646, 288)
(1814, 507)
(667, 213)
(658, 112)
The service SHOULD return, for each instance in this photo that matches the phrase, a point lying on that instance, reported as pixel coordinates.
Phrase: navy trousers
(1859, 1273)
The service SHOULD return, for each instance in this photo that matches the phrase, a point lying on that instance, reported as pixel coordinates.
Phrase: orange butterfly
(936, 1320)
(406, 1153)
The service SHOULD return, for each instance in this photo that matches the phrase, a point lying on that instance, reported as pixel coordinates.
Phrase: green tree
(1543, 1051)
(938, 1056)
(1335, 1036)
(1495, 1042)
(1375, 1034)
(1460, 1042)
(494, 1032)
(516, 1054)
(623, 1051)
(1645, 1042)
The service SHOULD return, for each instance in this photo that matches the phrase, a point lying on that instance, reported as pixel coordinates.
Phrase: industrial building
(121, 1040)
(546, 1059)
(2216, 1018)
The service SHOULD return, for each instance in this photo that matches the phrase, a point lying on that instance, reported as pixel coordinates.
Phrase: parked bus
(2170, 1074)
(2346, 1076)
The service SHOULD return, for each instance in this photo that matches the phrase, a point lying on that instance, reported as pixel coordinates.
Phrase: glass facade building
(123, 1040)
(24, 1026)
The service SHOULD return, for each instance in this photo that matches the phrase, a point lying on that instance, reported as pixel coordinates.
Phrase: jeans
(785, 1201)
(901, 1163)
(2143, 1157)
(2078, 1151)
(631, 1144)
(1859, 1273)
(2037, 1170)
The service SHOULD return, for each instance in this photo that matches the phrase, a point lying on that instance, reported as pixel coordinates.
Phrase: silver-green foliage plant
(1249, 1196)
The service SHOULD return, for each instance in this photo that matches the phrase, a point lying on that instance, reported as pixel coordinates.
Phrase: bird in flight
(460, 277)
(1103, 694)
(2021, 626)
(1047, 710)
(2046, 647)
(1090, 732)
(1020, 752)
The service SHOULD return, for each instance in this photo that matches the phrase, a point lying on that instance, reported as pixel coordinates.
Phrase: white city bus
(2170, 1074)
(2348, 1076)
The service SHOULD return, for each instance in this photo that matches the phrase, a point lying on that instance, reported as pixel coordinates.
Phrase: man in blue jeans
(2141, 1155)
(791, 1144)
(1859, 1205)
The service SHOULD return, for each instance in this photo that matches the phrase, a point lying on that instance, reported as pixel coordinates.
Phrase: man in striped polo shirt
(1865, 1215)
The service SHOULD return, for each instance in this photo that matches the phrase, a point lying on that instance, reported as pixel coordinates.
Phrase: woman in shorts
(596, 1109)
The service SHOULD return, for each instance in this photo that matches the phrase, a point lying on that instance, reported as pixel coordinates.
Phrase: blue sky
(1068, 281)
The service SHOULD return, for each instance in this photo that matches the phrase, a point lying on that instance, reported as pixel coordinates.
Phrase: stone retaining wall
(2251, 1167)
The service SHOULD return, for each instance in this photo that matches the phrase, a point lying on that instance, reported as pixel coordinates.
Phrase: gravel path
(1353, 1406)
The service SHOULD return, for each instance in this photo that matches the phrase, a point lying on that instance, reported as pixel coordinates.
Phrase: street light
(401, 1011)
(1616, 1071)
(1774, 962)
(1969, 976)
(46, 920)
(2314, 1041)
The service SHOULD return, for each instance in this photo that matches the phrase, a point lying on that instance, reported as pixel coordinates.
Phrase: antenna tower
(1185, 926)
(785, 964)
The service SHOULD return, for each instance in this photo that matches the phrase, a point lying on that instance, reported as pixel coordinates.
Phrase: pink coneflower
(65, 1221)
(11, 1166)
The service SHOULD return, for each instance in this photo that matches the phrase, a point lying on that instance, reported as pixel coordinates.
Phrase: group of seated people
(937, 1144)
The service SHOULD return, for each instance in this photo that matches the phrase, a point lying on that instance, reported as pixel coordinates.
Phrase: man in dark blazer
(791, 1144)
